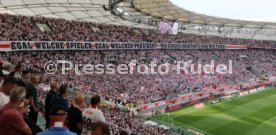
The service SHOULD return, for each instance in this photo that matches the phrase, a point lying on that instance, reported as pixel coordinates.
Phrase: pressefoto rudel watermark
(180, 67)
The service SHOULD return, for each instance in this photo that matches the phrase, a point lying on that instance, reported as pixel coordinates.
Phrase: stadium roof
(194, 23)
(140, 13)
(167, 10)
(82, 10)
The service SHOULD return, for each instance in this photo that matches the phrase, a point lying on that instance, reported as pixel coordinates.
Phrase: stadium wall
(179, 102)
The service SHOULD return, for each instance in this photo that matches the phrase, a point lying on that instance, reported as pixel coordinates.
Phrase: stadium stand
(250, 65)
(23, 28)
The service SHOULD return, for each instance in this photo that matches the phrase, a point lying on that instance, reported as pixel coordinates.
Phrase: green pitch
(254, 114)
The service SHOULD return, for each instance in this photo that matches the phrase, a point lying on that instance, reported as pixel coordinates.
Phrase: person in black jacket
(33, 99)
(32, 96)
(60, 99)
(50, 95)
(75, 115)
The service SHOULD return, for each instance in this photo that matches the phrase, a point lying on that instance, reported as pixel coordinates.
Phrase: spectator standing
(60, 99)
(49, 96)
(32, 96)
(75, 115)
(17, 73)
(92, 115)
(8, 85)
(57, 127)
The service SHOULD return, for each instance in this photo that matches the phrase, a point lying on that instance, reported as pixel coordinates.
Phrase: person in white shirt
(4, 99)
(8, 85)
(92, 115)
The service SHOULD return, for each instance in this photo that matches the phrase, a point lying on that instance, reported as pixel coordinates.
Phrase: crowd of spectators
(119, 121)
(248, 66)
(23, 28)
(136, 89)
(140, 88)
(15, 118)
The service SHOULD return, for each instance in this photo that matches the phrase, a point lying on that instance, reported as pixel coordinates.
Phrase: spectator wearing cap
(92, 115)
(58, 117)
(100, 128)
(8, 85)
(75, 115)
(11, 120)
(48, 99)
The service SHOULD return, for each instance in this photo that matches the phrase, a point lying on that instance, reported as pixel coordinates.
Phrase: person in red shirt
(11, 121)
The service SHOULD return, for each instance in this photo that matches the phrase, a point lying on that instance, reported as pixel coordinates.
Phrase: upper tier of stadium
(140, 13)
